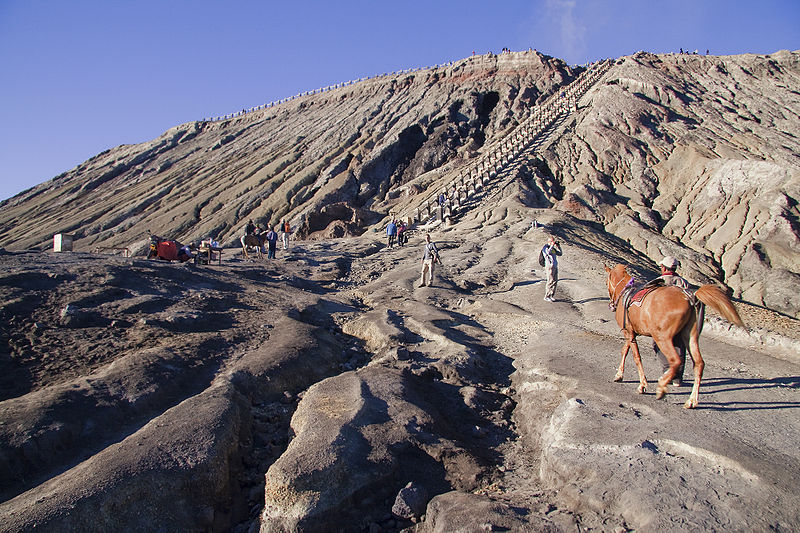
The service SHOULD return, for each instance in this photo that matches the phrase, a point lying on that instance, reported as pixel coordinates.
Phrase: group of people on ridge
(270, 237)
(548, 258)
(396, 229)
(430, 256)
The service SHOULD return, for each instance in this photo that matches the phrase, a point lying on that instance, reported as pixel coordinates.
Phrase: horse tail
(719, 301)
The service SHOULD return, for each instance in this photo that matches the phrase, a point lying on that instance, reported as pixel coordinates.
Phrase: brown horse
(664, 314)
(252, 240)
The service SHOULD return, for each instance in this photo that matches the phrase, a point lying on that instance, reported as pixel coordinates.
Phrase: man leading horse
(669, 276)
(665, 313)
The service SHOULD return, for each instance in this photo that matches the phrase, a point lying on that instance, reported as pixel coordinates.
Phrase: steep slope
(351, 145)
(692, 156)
(696, 157)
(307, 392)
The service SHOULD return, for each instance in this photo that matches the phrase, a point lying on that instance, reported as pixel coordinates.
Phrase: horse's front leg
(637, 358)
(621, 369)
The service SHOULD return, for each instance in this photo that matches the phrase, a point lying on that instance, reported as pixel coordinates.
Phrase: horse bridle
(613, 304)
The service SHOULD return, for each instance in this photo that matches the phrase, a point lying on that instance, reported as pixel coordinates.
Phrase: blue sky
(80, 76)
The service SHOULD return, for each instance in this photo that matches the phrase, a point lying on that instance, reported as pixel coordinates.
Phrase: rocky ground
(308, 392)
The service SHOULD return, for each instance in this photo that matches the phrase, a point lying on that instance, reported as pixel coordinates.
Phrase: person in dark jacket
(272, 242)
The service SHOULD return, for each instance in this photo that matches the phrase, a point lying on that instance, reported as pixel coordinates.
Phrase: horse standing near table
(665, 313)
(252, 240)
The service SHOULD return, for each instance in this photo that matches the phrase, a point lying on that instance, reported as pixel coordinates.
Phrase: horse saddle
(636, 295)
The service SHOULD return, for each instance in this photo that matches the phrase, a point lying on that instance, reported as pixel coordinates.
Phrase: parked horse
(254, 241)
(665, 313)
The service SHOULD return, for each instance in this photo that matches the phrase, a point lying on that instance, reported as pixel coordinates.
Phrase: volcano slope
(683, 155)
(349, 145)
(306, 392)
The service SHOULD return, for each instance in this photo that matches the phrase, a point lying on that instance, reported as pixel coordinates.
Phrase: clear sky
(80, 76)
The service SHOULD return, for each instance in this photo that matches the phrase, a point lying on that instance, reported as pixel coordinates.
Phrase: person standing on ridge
(391, 232)
(549, 253)
(669, 275)
(286, 229)
(401, 233)
(429, 259)
(272, 242)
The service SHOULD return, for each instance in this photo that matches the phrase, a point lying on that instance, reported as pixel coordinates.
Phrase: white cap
(670, 263)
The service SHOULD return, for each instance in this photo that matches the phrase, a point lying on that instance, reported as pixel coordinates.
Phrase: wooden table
(208, 251)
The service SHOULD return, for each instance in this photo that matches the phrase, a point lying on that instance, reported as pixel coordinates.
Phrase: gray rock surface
(410, 502)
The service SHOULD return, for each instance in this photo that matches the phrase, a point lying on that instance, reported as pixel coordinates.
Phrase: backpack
(541, 257)
(433, 251)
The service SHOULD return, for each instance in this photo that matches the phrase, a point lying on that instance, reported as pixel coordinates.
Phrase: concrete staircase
(534, 134)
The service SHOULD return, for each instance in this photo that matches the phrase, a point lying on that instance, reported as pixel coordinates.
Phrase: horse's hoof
(660, 393)
(618, 378)
(642, 389)
(689, 404)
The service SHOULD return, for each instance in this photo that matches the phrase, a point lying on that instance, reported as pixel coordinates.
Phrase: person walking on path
(286, 229)
(669, 275)
(391, 232)
(272, 242)
(401, 233)
(429, 259)
(550, 252)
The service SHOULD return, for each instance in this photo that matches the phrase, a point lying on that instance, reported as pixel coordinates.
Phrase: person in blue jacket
(391, 232)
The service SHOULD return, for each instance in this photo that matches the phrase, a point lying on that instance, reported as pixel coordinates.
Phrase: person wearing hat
(669, 266)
